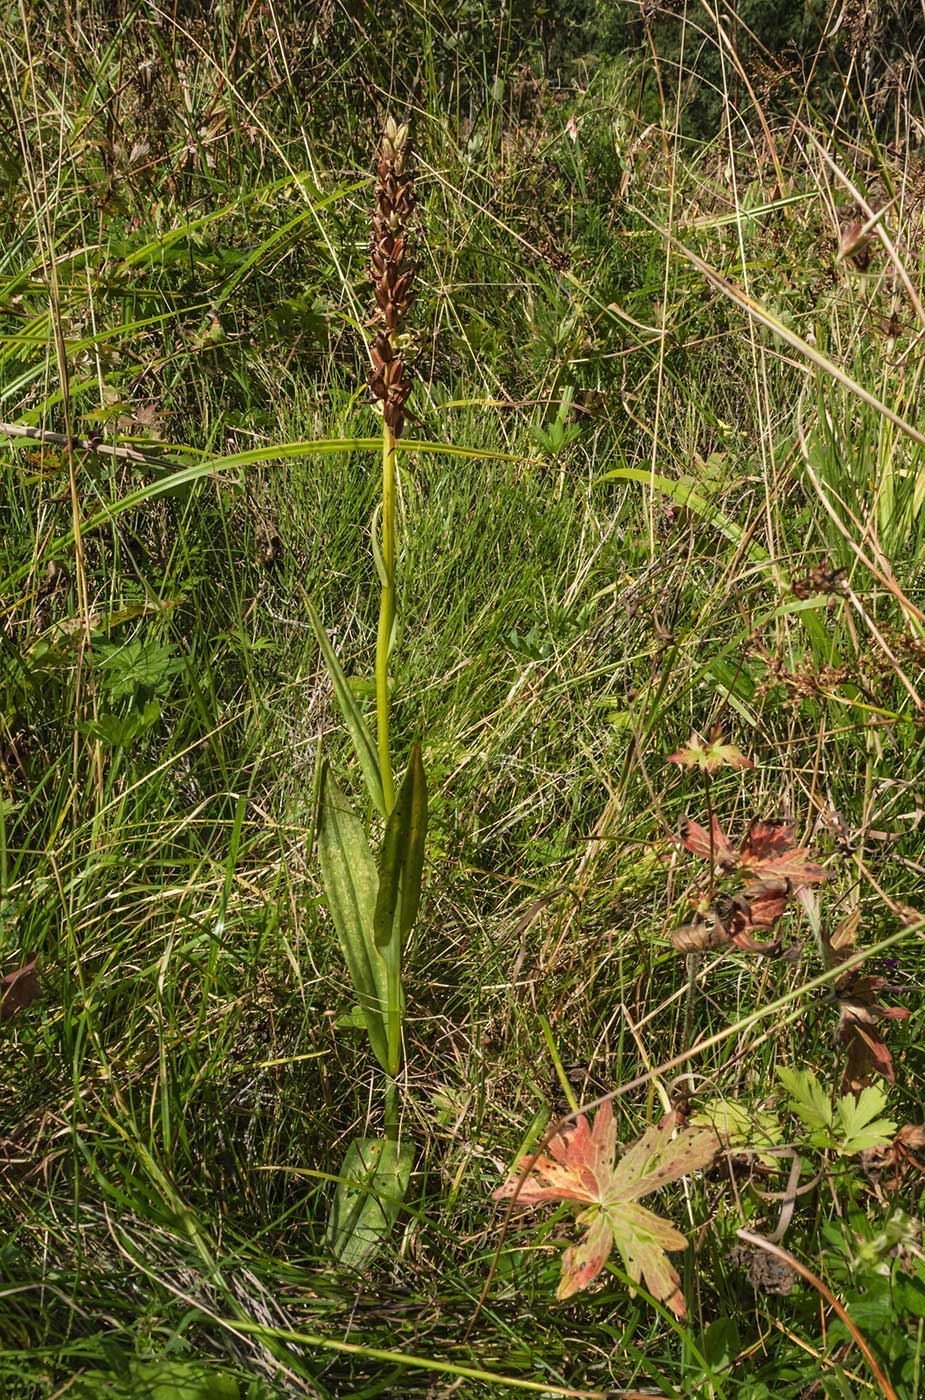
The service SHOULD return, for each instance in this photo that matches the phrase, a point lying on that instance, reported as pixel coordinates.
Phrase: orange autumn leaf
(580, 1166)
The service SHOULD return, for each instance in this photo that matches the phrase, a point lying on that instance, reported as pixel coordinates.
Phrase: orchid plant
(374, 903)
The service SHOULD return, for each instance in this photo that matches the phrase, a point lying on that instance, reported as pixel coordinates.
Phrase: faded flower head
(391, 273)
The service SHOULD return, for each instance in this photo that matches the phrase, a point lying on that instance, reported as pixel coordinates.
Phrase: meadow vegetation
(658, 594)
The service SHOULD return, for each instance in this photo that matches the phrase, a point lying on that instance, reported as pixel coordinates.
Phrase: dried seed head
(391, 273)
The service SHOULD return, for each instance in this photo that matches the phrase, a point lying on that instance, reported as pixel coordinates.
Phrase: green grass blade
(186, 474)
(363, 742)
(684, 493)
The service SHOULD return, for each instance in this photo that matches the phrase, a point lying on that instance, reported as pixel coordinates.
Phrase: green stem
(390, 1116)
(386, 615)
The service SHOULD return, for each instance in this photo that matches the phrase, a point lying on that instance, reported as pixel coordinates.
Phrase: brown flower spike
(391, 273)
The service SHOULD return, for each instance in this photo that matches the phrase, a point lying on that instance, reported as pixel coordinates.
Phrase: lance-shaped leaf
(374, 1181)
(357, 727)
(399, 894)
(580, 1167)
(403, 856)
(351, 884)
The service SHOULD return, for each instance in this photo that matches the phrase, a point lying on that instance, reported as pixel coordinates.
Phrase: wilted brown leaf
(758, 907)
(889, 1164)
(700, 935)
(861, 1013)
(19, 989)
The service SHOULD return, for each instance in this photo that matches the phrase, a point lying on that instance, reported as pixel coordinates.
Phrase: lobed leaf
(709, 755)
(642, 1239)
(768, 850)
(861, 1126)
(580, 1167)
(807, 1098)
(709, 845)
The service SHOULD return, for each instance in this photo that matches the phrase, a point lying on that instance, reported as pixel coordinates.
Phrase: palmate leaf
(710, 754)
(861, 1126)
(807, 1099)
(853, 1125)
(580, 1167)
(642, 1239)
(767, 852)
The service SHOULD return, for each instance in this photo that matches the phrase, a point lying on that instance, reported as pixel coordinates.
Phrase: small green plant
(374, 905)
(851, 1125)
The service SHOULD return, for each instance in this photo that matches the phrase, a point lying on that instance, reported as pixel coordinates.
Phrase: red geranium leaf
(766, 900)
(757, 908)
(768, 850)
(696, 839)
(581, 1168)
(765, 840)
